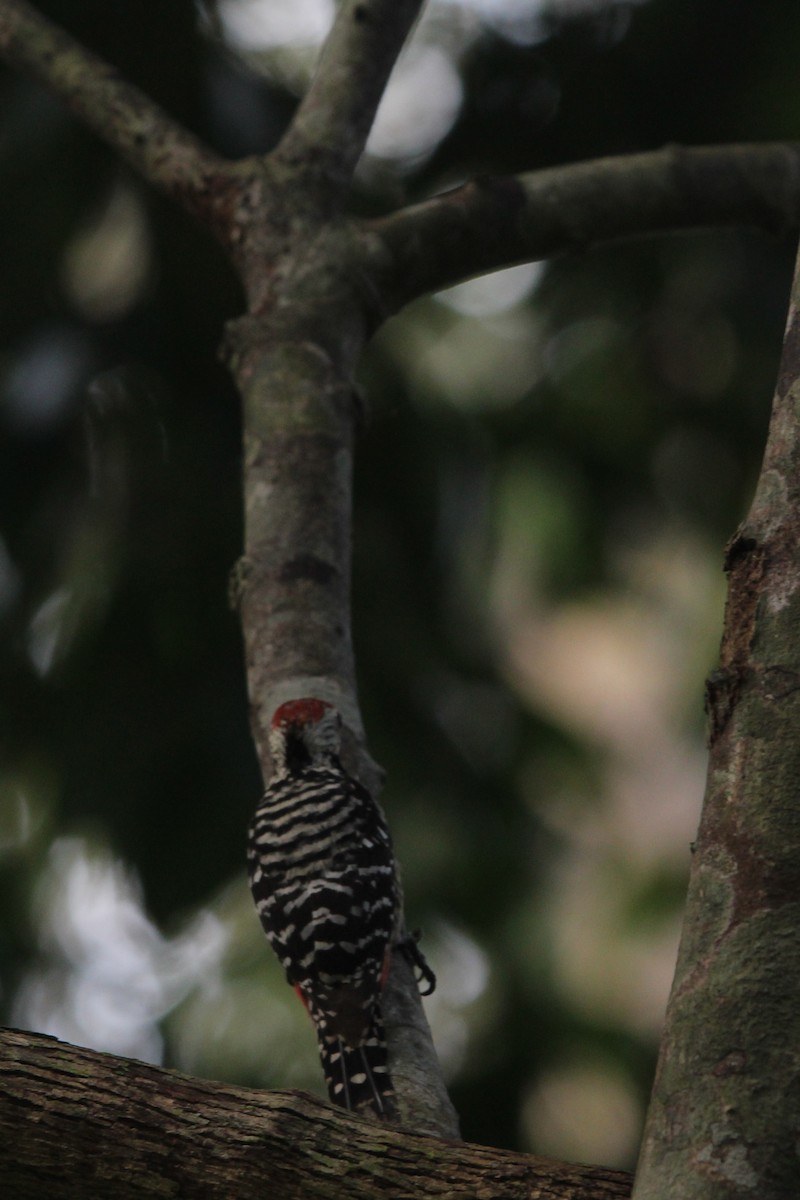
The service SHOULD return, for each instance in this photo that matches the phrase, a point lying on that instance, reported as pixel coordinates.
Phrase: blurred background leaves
(554, 460)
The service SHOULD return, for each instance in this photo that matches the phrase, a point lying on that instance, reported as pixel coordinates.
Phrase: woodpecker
(324, 881)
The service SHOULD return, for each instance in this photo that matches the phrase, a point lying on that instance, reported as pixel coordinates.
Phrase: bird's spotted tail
(358, 1077)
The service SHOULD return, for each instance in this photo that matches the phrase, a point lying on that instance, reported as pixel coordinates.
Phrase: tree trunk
(724, 1113)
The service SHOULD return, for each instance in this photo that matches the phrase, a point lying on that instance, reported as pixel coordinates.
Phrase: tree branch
(75, 1123)
(294, 358)
(496, 222)
(155, 145)
(313, 286)
(293, 584)
(331, 126)
(723, 1115)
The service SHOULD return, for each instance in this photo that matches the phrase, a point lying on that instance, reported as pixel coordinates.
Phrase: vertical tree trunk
(723, 1120)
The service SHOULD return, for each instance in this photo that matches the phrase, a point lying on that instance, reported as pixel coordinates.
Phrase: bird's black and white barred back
(323, 877)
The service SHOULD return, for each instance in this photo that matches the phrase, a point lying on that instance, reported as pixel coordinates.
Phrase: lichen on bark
(723, 1115)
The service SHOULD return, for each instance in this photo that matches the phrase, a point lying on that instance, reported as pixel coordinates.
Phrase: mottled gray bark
(495, 222)
(159, 148)
(317, 285)
(481, 226)
(724, 1119)
(293, 356)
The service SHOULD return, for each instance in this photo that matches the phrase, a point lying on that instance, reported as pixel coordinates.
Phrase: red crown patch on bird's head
(299, 712)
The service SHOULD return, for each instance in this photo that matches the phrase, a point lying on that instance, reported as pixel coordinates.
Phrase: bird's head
(303, 732)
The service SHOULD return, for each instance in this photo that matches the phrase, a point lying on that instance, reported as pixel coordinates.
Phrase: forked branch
(482, 226)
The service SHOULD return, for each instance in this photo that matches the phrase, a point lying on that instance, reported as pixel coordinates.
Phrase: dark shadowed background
(553, 461)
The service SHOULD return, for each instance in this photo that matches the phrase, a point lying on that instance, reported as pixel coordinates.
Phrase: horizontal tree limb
(497, 222)
(75, 1123)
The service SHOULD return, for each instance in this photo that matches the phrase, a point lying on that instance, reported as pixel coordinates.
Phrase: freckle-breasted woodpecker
(324, 881)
